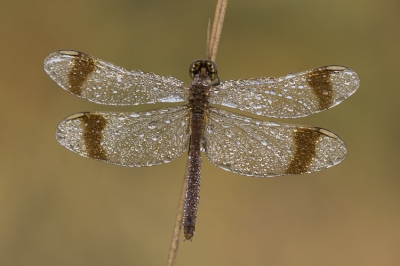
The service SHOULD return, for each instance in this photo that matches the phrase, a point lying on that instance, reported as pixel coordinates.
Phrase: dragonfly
(231, 141)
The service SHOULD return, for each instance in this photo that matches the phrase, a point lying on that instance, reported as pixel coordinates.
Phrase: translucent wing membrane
(127, 139)
(105, 83)
(257, 148)
(295, 95)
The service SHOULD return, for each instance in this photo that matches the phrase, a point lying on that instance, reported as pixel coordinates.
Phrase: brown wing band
(81, 68)
(320, 82)
(93, 135)
(305, 140)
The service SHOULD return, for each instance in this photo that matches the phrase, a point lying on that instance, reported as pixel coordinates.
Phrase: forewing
(105, 83)
(127, 139)
(295, 95)
(258, 148)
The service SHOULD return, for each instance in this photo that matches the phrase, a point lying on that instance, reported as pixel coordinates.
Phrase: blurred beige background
(57, 208)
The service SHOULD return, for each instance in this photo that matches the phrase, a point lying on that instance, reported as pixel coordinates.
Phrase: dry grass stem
(173, 250)
(217, 29)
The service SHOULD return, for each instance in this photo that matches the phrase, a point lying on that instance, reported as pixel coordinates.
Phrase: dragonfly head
(206, 67)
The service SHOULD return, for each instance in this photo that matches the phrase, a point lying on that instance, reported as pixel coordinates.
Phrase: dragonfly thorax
(199, 93)
(205, 68)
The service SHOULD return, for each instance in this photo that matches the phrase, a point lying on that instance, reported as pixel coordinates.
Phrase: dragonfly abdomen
(198, 104)
(193, 176)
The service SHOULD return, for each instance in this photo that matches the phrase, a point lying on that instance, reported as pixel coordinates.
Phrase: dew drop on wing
(210, 128)
(152, 125)
(134, 115)
(264, 143)
(154, 137)
(290, 75)
(122, 116)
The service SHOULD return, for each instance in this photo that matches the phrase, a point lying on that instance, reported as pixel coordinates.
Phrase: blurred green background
(57, 208)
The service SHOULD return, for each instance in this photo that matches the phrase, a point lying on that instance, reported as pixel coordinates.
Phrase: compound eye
(194, 68)
(212, 70)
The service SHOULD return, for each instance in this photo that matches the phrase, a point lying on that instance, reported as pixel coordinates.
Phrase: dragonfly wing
(105, 83)
(251, 147)
(295, 95)
(127, 139)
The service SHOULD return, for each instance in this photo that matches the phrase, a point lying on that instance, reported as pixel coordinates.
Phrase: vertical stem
(173, 250)
(217, 29)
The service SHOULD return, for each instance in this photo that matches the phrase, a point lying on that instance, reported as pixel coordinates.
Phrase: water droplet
(290, 75)
(210, 128)
(264, 143)
(155, 136)
(152, 125)
(121, 116)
